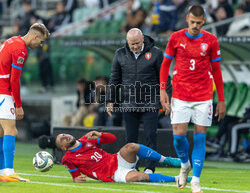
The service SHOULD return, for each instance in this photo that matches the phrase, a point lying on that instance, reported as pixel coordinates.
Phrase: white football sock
(195, 179)
(1, 172)
(9, 171)
(185, 165)
(162, 159)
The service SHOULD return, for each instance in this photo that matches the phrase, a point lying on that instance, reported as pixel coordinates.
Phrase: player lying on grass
(85, 158)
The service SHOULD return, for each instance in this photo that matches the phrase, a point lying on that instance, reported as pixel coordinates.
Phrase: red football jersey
(91, 160)
(13, 53)
(194, 55)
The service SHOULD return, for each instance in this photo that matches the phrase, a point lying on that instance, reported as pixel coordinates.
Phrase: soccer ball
(43, 161)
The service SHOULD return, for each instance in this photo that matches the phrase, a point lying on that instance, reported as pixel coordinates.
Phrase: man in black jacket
(134, 84)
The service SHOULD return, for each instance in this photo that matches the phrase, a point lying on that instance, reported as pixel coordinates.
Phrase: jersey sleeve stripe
(73, 170)
(17, 67)
(98, 140)
(170, 57)
(216, 59)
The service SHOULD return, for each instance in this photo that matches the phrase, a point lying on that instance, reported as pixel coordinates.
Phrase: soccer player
(197, 65)
(13, 54)
(85, 158)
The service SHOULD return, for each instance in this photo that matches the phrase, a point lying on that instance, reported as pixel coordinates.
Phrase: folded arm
(100, 137)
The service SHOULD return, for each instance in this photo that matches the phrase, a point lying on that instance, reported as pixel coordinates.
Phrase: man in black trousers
(134, 85)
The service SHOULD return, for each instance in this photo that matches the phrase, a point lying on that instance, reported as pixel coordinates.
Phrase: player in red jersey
(85, 158)
(13, 53)
(197, 65)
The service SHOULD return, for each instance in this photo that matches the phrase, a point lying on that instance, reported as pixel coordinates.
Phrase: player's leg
(130, 151)
(127, 159)
(202, 118)
(1, 155)
(9, 138)
(198, 156)
(135, 176)
(123, 174)
(10, 133)
(180, 116)
(182, 149)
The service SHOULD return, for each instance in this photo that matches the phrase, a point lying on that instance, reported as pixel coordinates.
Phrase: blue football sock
(181, 146)
(199, 153)
(9, 150)
(160, 178)
(148, 153)
(1, 154)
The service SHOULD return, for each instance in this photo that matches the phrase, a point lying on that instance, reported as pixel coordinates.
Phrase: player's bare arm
(109, 108)
(220, 110)
(165, 101)
(80, 179)
(19, 113)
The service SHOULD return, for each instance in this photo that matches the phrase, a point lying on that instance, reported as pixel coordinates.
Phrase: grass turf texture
(216, 177)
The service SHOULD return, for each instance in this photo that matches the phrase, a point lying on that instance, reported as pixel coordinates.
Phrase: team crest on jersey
(12, 110)
(148, 55)
(204, 47)
(20, 60)
(88, 145)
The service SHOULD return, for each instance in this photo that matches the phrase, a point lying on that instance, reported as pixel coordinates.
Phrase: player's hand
(80, 179)
(93, 135)
(109, 108)
(19, 113)
(220, 110)
(165, 102)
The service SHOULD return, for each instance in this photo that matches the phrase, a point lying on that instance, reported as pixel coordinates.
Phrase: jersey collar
(193, 37)
(79, 146)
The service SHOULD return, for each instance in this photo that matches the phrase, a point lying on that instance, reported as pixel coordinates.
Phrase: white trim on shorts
(199, 113)
(5, 76)
(7, 108)
(123, 168)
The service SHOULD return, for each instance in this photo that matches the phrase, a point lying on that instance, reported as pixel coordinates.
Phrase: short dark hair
(40, 28)
(196, 10)
(102, 78)
(27, 2)
(81, 81)
(241, 7)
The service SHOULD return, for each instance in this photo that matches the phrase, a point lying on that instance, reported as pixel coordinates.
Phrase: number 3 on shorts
(192, 62)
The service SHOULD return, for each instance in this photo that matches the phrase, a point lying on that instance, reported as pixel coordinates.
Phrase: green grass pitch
(216, 177)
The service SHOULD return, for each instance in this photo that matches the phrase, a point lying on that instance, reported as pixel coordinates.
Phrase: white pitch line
(49, 176)
(204, 188)
(149, 184)
(90, 187)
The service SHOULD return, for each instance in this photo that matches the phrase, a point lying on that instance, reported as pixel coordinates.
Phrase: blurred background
(59, 80)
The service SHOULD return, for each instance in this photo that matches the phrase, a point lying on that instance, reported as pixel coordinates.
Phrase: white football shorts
(123, 169)
(200, 113)
(7, 109)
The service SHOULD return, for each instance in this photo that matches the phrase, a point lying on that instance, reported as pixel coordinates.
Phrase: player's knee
(132, 147)
(1, 133)
(11, 131)
(137, 177)
(15, 132)
(130, 177)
